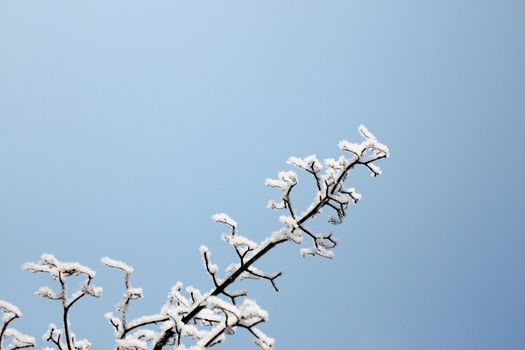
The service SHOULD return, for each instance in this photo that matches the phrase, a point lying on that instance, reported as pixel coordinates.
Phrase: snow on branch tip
(224, 219)
(17, 339)
(10, 308)
(116, 264)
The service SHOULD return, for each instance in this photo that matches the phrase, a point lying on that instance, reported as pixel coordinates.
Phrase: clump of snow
(238, 240)
(310, 163)
(19, 340)
(225, 219)
(82, 344)
(203, 249)
(116, 264)
(288, 221)
(375, 170)
(46, 292)
(132, 344)
(10, 308)
(48, 263)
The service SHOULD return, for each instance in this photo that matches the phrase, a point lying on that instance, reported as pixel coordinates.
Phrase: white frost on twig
(10, 309)
(46, 292)
(224, 218)
(18, 340)
(132, 344)
(310, 163)
(48, 263)
(116, 264)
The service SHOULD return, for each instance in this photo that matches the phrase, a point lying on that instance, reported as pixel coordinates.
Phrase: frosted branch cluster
(129, 333)
(194, 320)
(14, 338)
(63, 338)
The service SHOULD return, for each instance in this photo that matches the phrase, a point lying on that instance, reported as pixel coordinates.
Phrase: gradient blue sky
(124, 125)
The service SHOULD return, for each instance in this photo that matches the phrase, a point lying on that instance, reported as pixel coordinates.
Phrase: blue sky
(124, 125)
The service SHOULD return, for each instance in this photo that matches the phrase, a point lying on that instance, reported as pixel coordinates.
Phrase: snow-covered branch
(122, 326)
(18, 340)
(204, 319)
(61, 271)
(331, 194)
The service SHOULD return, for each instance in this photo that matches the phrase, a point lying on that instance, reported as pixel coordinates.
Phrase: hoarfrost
(225, 219)
(116, 264)
(18, 340)
(9, 308)
(132, 344)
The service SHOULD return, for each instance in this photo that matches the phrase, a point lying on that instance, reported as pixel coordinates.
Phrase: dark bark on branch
(163, 340)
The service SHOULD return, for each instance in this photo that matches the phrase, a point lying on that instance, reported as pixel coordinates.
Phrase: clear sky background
(124, 125)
